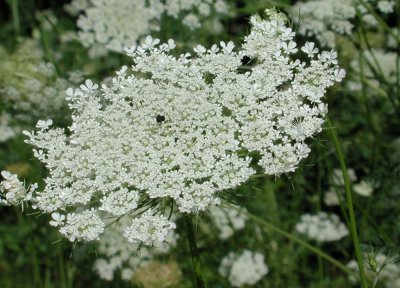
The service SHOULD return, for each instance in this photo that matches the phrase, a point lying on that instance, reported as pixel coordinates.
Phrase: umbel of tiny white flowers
(242, 269)
(322, 227)
(326, 19)
(169, 130)
(115, 24)
(13, 191)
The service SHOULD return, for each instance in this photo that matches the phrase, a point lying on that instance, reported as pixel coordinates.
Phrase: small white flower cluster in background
(116, 24)
(325, 19)
(169, 130)
(13, 191)
(386, 62)
(227, 220)
(29, 85)
(194, 10)
(242, 269)
(337, 186)
(118, 254)
(364, 187)
(322, 227)
(387, 269)
(386, 6)
(6, 130)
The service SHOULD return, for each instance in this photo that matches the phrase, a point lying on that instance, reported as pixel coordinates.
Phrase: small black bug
(160, 118)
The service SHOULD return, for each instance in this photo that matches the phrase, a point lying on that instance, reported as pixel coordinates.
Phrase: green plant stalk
(384, 94)
(295, 239)
(353, 226)
(61, 268)
(47, 50)
(15, 15)
(194, 253)
(320, 200)
(338, 194)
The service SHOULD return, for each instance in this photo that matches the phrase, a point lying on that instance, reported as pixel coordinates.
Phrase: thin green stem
(293, 238)
(337, 191)
(320, 270)
(194, 252)
(15, 15)
(353, 226)
(47, 49)
(385, 95)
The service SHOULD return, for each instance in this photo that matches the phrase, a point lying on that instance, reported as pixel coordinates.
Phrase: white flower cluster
(13, 191)
(29, 85)
(337, 186)
(6, 130)
(116, 24)
(118, 254)
(245, 269)
(382, 61)
(81, 226)
(322, 227)
(172, 128)
(386, 6)
(387, 268)
(364, 188)
(149, 228)
(194, 10)
(227, 220)
(324, 19)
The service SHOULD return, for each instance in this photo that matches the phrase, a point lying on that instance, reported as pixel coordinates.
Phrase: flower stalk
(15, 16)
(194, 252)
(353, 226)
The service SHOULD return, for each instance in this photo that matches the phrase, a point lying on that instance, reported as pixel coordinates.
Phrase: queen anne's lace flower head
(30, 86)
(6, 131)
(13, 191)
(324, 18)
(116, 24)
(245, 269)
(364, 188)
(117, 253)
(383, 61)
(322, 227)
(82, 226)
(182, 130)
(149, 228)
(387, 268)
(227, 220)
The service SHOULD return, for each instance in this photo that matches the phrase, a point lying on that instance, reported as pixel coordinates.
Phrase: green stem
(194, 253)
(353, 227)
(320, 270)
(46, 47)
(15, 15)
(295, 239)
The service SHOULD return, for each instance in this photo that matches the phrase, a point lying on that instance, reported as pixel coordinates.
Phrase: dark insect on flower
(160, 118)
